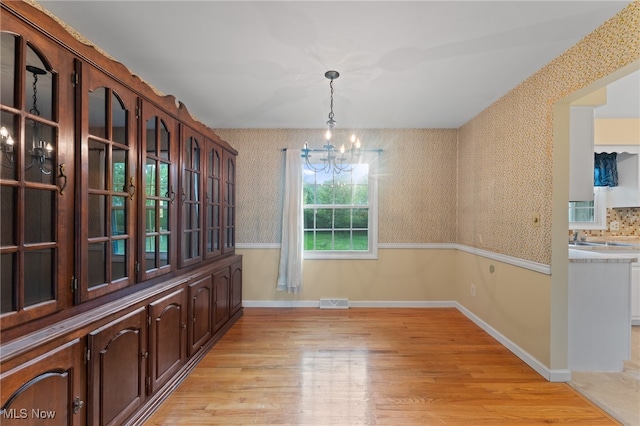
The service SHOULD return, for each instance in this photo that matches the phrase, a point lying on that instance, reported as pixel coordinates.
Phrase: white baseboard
(563, 375)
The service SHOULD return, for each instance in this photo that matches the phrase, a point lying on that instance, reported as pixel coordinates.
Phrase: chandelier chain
(34, 110)
(331, 104)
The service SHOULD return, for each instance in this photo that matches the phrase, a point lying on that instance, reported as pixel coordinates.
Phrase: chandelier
(332, 159)
(40, 151)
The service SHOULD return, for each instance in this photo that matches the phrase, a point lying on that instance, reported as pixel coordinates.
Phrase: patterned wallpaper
(502, 159)
(417, 182)
(505, 152)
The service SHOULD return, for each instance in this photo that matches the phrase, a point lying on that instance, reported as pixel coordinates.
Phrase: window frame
(599, 212)
(372, 252)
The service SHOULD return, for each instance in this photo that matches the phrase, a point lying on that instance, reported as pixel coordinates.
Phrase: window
(341, 213)
(589, 214)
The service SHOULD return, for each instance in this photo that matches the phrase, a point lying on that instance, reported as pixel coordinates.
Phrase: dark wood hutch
(117, 264)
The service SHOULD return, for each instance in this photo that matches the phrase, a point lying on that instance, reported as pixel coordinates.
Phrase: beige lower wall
(397, 275)
(514, 301)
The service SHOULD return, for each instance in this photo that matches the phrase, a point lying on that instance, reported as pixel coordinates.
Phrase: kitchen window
(589, 214)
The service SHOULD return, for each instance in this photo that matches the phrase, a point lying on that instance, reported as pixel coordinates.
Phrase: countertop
(592, 256)
(627, 252)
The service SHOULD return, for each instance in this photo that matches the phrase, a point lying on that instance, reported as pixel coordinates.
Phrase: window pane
(7, 284)
(150, 178)
(96, 213)
(342, 192)
(39, 216)
(40, 152)
(187, 190)
(342, 240)
(7, 215)
(164, 250)
(360, 218)
(196, 157)
(581, 211)
(164, 141)
(38, 87)
(97, 165)
(324, 218)
(9, 144)
(196, 243)
(309, 240)
(164, 216)
(97, 264)
(150, 253)
(187, 152)
(38, 276)
(164, 180)
(7, 94)
(118, 216)
(118, 121)
(119, 260)
(342, 218)
(324, 240)
(361, 194)
(151, 136)
(151, 216)
(308, 218)
(119, 164)
(98, 112)
(360, 240)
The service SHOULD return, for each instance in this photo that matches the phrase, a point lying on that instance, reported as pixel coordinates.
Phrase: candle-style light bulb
(328, 135)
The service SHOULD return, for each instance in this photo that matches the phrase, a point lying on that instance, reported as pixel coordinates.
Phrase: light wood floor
(368, 366)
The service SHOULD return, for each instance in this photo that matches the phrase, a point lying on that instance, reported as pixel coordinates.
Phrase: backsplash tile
(628, 219)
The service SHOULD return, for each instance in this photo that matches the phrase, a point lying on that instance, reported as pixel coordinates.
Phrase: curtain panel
(291, 251)
(605, 169)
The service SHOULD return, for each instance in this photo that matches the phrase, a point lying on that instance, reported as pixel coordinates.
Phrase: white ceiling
(403, 64)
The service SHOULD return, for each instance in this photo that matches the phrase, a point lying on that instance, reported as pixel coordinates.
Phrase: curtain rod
(379, 151)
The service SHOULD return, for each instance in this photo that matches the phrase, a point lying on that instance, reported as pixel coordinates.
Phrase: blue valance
(605, 170)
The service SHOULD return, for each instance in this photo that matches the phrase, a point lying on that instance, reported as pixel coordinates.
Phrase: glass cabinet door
(34, 198)
(158, 191)
(213, 200)
(191, 197)
(229, 202)
(108, 186)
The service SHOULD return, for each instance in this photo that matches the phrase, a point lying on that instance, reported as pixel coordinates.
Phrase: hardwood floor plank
(370, 367)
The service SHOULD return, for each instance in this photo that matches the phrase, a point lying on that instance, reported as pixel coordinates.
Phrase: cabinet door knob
(132, 188)
(77, 404)
(62, 175)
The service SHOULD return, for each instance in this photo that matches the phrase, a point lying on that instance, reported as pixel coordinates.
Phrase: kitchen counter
(600, 307)
(608, 254)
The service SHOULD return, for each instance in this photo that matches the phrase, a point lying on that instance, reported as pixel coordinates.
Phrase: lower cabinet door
(117, 369)
(167, 338)
(220, 298)
(200, 313)
(46, 390)
(236, 287)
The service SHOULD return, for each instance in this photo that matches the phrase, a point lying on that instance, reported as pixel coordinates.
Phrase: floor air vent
(334, 303)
